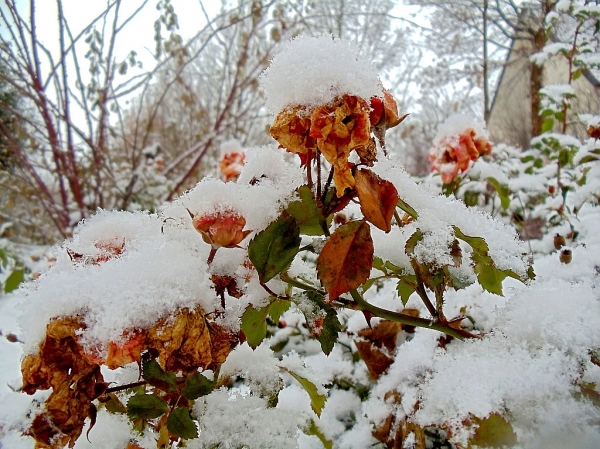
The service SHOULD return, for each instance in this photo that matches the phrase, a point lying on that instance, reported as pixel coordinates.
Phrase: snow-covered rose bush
(244, 315)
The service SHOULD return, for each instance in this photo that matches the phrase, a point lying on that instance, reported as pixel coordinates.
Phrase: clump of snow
(227, 420)
(154, 275)
(589, 119)
(258, 367)
(312, 71)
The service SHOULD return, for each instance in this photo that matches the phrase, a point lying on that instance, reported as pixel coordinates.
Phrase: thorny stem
(126, 386)
(460, 334)
(397, 217)
(421, 291)
(299, 284)
(318, 175)
(327, 184)
(272, 293)
(309, 172)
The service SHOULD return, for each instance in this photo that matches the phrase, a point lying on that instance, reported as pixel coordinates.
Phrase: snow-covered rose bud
(221, 229)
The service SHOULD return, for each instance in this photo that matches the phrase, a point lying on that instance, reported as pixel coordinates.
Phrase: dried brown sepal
(108, 250)
(228, 284)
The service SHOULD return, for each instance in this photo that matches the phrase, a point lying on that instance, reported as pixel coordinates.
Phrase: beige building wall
(510, 116)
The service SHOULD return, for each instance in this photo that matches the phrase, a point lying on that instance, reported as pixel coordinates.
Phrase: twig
(459, 334)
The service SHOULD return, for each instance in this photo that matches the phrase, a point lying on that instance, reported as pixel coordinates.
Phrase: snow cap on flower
(313, 71)
(460, 140)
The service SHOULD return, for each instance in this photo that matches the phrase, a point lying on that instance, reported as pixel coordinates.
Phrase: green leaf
(493, 431)
(490, 278)
(197, 385)
(378, 264)
(114, 405)
(368, 284)
(317, 401)
(404, 290)
(477, 243)
(547, 125)
(412, 241)
(588, 158)
(502, 191)
(277, 308)
(154, 374)
(564, 157)
(273, 249)
(307, 214)
(312, 429)
(329, 334)
(254, 325)
(181, 424)
(577, 73)
(471, 198)
(408, 209)
(146, 406)
(13, 281)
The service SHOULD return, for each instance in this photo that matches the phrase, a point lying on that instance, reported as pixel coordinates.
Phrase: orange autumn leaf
(346, 259)
(378, 198)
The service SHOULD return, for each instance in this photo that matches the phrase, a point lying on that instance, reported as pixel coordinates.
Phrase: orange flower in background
(231, 165)
(455, 153)
(221, 229)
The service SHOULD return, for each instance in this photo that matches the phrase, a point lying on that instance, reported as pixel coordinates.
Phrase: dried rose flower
(231, 165)
(454, 153)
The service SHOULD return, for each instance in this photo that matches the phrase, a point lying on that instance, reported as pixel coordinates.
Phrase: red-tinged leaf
(378, 198)
(346, 259)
